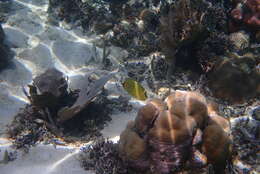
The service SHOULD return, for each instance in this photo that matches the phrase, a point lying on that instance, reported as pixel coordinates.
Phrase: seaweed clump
(54, 111)
(189, 23)
(103, 158)
(85, 14)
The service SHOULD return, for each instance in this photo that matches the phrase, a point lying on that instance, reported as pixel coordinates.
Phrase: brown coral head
(169, 128)
(158, 103)
(187, 103)
(131, 145)
(145, 117)
(220, 121)
(217, 147)
(212, 107)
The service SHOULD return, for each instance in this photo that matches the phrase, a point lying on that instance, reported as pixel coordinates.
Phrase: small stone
(240, 39)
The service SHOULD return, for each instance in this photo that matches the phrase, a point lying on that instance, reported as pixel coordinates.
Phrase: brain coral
(176, 135)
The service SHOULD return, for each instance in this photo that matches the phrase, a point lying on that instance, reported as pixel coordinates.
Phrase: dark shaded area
(5, 52)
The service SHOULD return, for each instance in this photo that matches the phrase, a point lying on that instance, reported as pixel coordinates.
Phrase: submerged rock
(235, 79)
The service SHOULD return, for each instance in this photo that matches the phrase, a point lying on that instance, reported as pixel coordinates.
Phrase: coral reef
(218, 128)
(176, 135)
(245, 14)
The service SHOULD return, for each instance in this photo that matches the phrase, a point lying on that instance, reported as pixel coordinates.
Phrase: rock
(216, 146)
(51, 81)
(235, 79)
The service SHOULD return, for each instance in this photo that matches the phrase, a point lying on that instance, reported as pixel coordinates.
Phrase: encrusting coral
(176, 138)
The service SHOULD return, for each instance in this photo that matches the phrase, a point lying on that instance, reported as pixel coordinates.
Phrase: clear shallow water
(37, 47)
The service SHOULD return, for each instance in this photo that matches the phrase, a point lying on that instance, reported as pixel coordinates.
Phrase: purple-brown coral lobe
(168, 157)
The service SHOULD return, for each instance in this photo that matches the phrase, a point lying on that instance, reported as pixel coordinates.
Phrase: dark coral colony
(211, 45)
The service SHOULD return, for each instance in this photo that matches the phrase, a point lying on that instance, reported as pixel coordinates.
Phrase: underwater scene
(129, 86)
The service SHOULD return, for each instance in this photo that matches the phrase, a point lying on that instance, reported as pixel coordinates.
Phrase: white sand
(37, 47)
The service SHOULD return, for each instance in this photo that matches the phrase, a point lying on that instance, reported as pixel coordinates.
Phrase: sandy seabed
(37, 47)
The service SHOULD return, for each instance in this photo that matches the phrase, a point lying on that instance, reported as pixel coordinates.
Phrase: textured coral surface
(176, 135)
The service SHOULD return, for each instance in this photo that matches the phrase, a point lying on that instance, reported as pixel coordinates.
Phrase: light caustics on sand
(62, 160)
